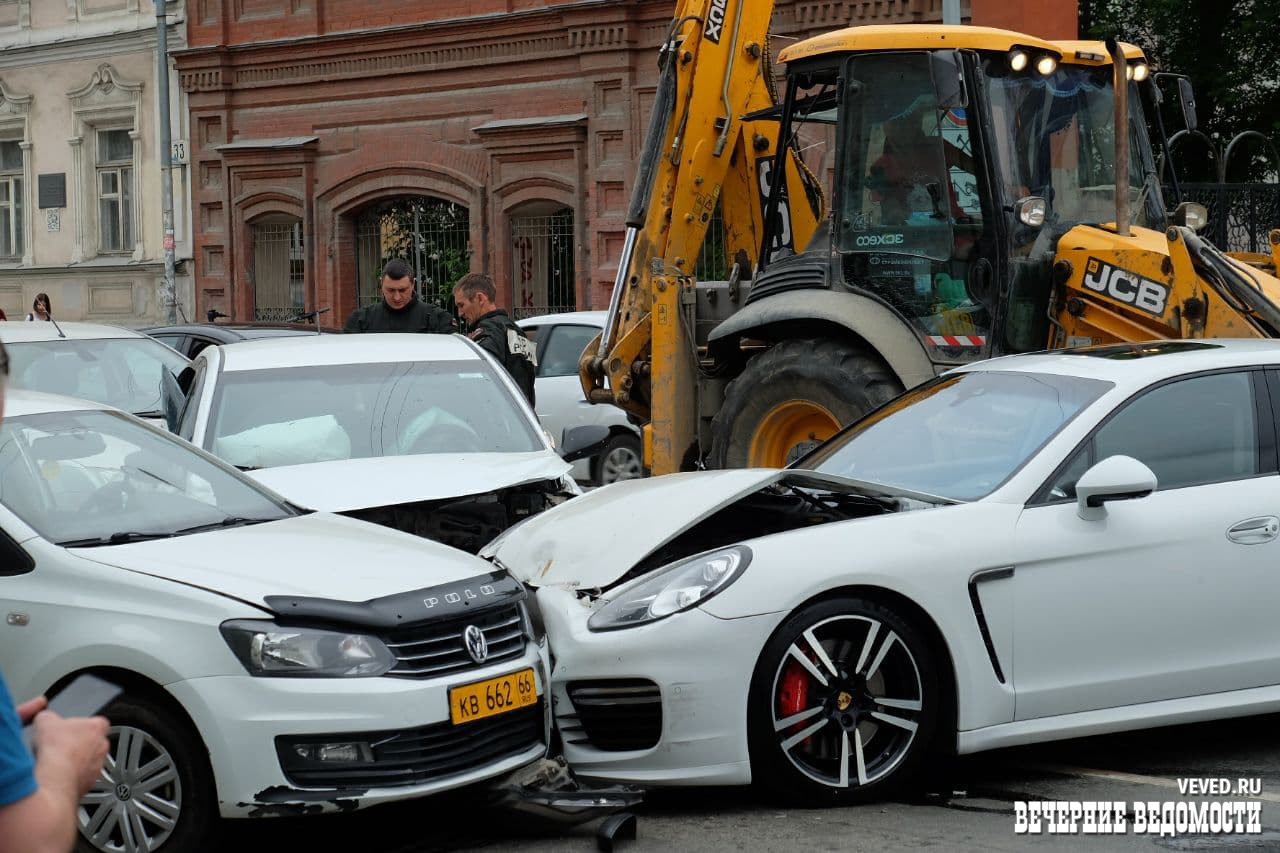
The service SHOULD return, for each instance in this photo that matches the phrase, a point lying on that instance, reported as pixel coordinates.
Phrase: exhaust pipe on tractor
(1120, 65)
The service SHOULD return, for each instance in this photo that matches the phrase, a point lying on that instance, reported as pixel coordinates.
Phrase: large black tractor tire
(793, 396)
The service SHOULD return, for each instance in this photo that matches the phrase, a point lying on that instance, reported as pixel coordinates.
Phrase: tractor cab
(965, 154)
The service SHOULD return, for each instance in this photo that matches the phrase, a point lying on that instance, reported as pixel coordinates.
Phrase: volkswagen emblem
(477, 646)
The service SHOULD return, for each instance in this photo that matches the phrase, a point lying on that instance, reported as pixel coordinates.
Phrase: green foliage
(1225, 46)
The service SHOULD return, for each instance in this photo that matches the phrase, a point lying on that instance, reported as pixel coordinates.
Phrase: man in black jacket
(494, 331)
(400, 310)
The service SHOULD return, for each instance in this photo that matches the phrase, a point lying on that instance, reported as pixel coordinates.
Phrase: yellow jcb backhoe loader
(983, 204)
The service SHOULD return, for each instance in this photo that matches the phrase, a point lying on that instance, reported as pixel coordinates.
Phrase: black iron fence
(1240, 215)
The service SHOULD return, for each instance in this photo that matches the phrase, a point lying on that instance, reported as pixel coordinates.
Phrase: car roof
(20, 332)
(1136, 365)
(306, 350)
(584, 318)
(19, 401)
(233, 332)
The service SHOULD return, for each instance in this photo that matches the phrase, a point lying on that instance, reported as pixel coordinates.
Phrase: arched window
(430, 234)
(278, 271)
(542, 260)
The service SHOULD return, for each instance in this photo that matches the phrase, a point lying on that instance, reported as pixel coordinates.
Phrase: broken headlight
(678, 587)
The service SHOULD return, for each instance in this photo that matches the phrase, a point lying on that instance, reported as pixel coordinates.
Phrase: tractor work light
(1018, 60)
(1046, 65)
(1139, 71)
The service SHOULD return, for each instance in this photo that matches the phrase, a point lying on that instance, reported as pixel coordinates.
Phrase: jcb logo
(1127, 287)
(867, 240)
(715, 21)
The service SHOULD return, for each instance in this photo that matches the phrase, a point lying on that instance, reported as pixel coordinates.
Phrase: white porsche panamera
(1036, 547)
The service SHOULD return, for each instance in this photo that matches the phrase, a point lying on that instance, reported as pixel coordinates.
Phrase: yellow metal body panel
(1116, 283)
(913, 37)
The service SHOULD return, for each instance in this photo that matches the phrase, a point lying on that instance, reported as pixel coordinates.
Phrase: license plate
(495, 696)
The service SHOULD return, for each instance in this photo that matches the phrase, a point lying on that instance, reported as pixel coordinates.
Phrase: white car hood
(591, 541)
(316, 555)
(350, 484)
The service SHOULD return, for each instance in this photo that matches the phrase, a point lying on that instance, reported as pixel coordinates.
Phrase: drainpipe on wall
(950, 11)
(168, 291)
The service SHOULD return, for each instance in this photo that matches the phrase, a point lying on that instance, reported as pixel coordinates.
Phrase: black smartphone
(83, 697)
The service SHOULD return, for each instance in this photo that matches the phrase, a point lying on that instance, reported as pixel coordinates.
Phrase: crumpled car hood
(593, 540)
(349, 484)
(316, 555)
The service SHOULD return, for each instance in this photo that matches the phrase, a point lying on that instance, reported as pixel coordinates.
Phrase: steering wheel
(447, 438)
(114, 497)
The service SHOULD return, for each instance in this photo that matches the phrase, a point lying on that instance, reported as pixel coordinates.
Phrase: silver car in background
(561, 338)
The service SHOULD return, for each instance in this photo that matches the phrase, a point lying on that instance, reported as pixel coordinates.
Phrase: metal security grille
(277, 271)
(430, 234)
(713, 265)
(542, 259)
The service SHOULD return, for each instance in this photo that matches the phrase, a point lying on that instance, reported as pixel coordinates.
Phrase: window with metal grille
(542, 259)
(278, 270)
(11, 197)
(115, 191)
(713, 264)
(432, 235)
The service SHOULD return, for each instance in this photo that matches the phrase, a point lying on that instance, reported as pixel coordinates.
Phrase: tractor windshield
(1054, 137)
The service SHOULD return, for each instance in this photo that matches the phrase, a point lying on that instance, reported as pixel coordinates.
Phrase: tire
(183, 788)
(882, 684)
(792, 396)
(621, 459)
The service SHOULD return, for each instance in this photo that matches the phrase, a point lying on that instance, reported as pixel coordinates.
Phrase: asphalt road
(970, 808)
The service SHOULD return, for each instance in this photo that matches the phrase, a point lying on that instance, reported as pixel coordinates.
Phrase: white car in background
(423, 433)
(561, 339)
(106, 364)
(1035, 547)
(274, 661)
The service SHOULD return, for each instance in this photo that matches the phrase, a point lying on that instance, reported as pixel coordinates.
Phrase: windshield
(959, 436)
(119, 372)
(84, 477)
(1054, 137)
(292, 416)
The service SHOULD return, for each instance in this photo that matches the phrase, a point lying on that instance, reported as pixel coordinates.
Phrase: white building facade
(81, 217)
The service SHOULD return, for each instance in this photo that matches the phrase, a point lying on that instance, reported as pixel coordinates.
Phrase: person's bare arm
(69, 758)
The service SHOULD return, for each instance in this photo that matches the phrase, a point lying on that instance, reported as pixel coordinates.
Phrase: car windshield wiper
(229, 521)
(248, 467)
(120, 538)
(149, 413)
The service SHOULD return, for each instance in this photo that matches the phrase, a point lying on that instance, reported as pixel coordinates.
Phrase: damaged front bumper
(384, 739)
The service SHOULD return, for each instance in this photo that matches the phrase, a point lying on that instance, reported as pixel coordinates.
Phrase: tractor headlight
(678, 587)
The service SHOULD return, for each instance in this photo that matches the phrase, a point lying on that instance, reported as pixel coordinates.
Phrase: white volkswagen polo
(423, 433)
(1037, 547)
(274, 661)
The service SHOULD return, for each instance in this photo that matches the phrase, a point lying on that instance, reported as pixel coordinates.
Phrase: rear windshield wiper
(120, 538)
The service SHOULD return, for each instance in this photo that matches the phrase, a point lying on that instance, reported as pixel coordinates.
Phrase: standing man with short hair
(494, 331)
(40, 798)
(400, 309)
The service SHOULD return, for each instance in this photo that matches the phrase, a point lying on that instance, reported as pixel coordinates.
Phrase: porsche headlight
(267, 649)
(678, 587)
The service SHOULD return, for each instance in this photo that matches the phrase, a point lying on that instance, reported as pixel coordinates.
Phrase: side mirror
(1187, 97)
(171, 398)
(1116, 478)
(583, 441)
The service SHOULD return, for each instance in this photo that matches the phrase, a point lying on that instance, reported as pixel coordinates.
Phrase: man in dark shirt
(400, 310)
(494, 331)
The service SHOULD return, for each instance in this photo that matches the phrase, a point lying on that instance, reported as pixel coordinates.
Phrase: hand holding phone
(85, 696)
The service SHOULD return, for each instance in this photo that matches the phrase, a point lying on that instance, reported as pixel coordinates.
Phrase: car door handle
(1254, 531)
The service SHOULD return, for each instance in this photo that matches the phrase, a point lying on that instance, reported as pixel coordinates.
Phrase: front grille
(613, 715)
(414, 756)
(437, 648)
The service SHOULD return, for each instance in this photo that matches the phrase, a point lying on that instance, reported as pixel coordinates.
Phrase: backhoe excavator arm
(698, 151)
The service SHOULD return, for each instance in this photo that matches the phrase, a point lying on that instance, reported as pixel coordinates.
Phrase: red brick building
(495, 135)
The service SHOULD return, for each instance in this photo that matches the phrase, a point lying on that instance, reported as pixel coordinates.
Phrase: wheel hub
(788, 430)
(122, 792)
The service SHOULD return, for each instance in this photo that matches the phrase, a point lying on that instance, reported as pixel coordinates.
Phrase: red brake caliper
(793, 695)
